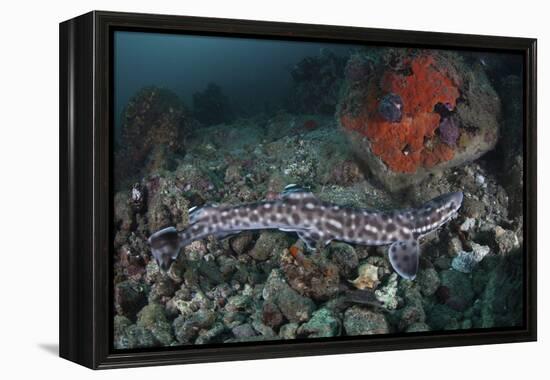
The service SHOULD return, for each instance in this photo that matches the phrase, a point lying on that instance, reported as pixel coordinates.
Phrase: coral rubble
(154, 125)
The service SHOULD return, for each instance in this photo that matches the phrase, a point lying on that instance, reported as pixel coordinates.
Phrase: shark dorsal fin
(197, 212)
(404, 258)
(294, 191)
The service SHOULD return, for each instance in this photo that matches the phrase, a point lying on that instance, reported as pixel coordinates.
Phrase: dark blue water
(252, 72)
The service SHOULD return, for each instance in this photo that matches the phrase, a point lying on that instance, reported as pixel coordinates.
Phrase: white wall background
(29, 187)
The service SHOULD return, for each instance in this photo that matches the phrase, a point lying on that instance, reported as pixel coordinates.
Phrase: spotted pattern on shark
(317, 223)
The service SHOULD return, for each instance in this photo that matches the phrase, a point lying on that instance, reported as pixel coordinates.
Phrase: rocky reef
(404, 116)
(211, 106)
(316, 83)
(409, 113)
(153, 129)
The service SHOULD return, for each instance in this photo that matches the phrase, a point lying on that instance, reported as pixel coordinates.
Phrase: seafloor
(264, 285)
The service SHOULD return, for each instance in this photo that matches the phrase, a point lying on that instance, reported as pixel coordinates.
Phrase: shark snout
(164, 262)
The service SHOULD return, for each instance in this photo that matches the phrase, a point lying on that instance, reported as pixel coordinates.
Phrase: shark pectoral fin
(310, 243)
(404, 258)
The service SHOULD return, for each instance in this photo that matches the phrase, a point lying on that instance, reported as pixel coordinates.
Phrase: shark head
(165, 247)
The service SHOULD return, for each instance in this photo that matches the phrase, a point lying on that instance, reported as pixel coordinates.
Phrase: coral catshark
(317, 223)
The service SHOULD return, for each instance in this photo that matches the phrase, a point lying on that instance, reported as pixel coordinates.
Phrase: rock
(513, 182)
(466, 262)
(390, 108)
(368, 277)
(295, 308)
(480, 180)
(123, 213)
(387, 295)
(316, 82)
(185, 332)
(271, 315)
(167, 206)
(418, 327)
(324, 323)
(134, 336)
(187, 302)
(288, 331)
(411, 314)
(473, 208)
(162, 289)
(361, 321)
(242, 242)
(232, 319)
(346, 173)
(405, 121)
(152, 272)
(138, 197)
(211, 106)
(311, 276)
(153, 318)
(196, 250)
(455, 247)
(227, 266)
(130, 298)
(268, 244)
(121, 323)
(198, 183)
(239, 302)
(359, 68)
(428, 280)
(213, 335)
(243, 331)
(466, 324)
(233, 174)
(344, 257)
(441, 317)
(506, 240)
(263, 330)
(442, 262)
(410, 291)
(210, 270)
(468, 224)
(502, 299)
(187, 329)
(154, 123)
(459, 294)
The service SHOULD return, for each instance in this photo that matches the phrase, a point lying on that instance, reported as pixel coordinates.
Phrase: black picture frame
(86, 151)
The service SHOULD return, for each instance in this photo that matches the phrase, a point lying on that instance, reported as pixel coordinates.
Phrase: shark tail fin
(404, 256)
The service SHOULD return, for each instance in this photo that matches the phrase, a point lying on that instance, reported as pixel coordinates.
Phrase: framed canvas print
(238, 189)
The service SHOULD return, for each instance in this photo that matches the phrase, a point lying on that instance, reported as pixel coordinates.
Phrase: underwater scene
(272, 190)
